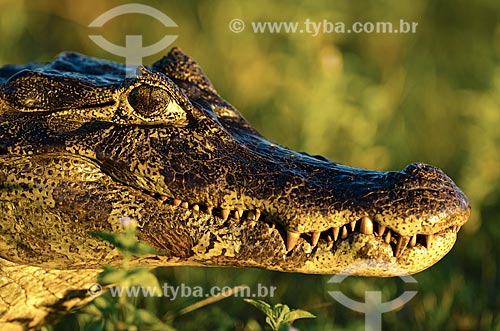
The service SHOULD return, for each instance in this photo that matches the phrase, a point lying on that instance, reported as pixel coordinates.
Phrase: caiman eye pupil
(148, 100)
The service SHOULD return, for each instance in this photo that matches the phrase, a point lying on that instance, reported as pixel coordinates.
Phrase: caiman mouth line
(366, 225)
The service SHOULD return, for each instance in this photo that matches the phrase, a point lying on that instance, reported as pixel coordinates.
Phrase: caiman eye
(148, 100)
(154, 105)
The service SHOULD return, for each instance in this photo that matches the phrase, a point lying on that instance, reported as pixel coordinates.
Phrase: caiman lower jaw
(366, 226)
(335, 235)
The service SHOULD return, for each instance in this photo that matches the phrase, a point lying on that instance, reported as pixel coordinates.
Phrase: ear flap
(182, 69)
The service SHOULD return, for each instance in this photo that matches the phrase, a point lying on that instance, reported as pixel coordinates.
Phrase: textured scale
(78, 128)
(81, 147)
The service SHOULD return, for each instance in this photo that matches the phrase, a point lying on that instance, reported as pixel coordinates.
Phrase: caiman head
(82, 147)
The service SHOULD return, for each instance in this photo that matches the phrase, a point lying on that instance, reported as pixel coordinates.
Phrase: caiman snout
(405, 211)
(449, 205)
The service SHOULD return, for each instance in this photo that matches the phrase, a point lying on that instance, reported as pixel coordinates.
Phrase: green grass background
(377, 101)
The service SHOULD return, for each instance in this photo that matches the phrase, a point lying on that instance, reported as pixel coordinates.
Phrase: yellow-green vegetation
(378, 101)
(112, 312)
(279, 316)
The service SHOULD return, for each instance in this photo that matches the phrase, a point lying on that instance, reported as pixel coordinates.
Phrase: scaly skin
(81, 147)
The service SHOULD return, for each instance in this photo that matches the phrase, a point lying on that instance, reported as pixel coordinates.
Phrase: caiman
(83, 146)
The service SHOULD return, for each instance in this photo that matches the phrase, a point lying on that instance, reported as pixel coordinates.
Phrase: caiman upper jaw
(423, 206)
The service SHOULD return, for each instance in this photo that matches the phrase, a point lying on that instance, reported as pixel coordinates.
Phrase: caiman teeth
(413, 241)
(428, 240)
(381, 230)
(257, 214)
(315, 238)
(366, 226)
(344, 232)
(387, 237)
(291, 240)
(401, 245)
(335, 232)
(224, 214)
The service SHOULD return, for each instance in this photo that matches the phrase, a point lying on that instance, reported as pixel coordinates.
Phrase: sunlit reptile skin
(81, 147)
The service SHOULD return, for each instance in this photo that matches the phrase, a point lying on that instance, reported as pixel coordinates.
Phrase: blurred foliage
(279, 316)
(378, 101)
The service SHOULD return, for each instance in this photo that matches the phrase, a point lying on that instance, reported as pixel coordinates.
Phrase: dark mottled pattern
(81, 147)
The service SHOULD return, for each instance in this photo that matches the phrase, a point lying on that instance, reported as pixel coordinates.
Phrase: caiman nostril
(435, 178)
(426, 171)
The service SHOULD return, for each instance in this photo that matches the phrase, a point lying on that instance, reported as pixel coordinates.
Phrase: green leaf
(101, 302)
(284, 327)
(280, 314)
(146, 279)
(267, 310)
(126, 242)
(261, 305)
(140, 248)
(91, 310)
(111, 275)
(94, 326)
(110, 325)
(126, 312)
(143, 317)
(297, 314)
